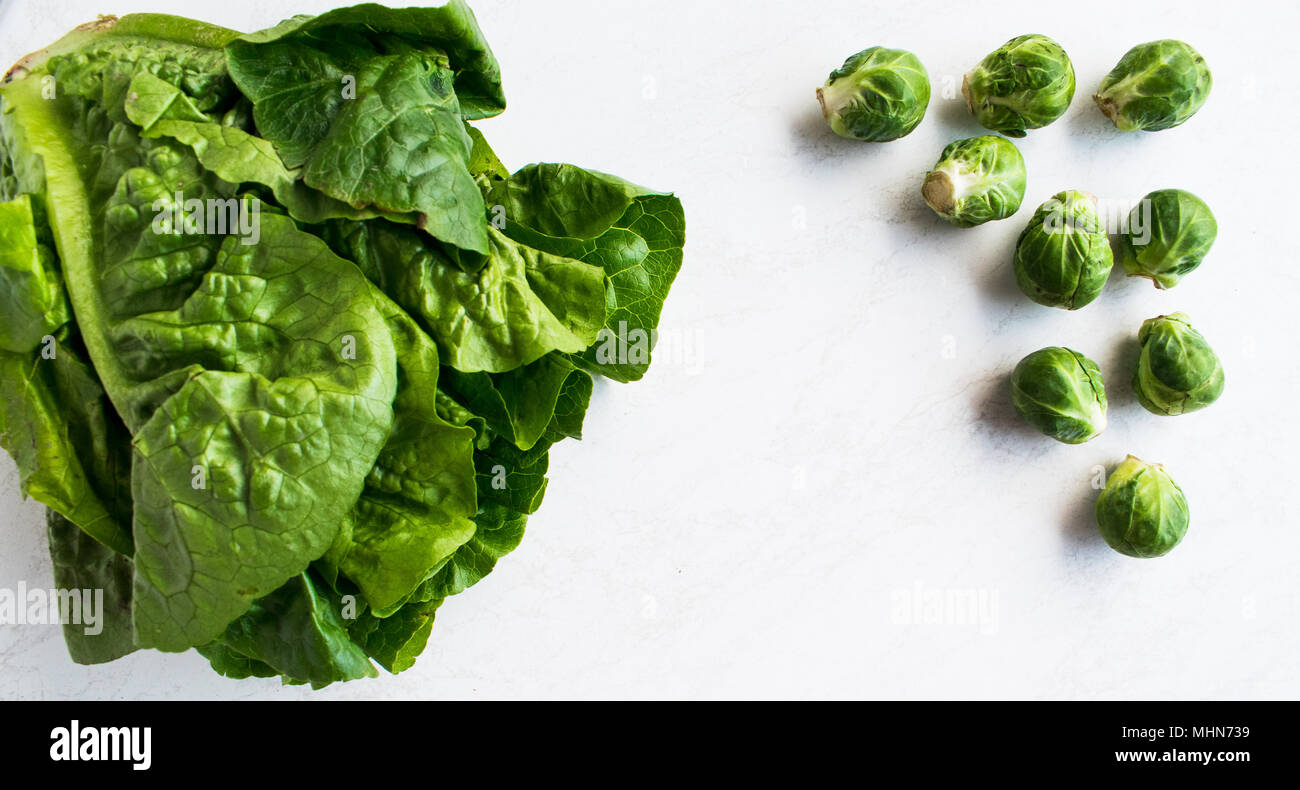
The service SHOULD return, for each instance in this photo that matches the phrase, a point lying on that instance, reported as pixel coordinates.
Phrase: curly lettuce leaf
(448, 27)
(230, 663)
(72, 453)
(498, 531)
(285, 454)
(522, 305)
(397, 640)
(299, 632)
(221, 357)
(54, 422)
(366, 102)
(31, 290)
(518, 404)
(419, 499)
(85, 565)
(397, 637)
(160, 109)
(232, 437)
(635, 235)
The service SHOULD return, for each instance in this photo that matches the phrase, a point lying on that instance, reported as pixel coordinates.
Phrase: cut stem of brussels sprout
(940, 191)
(834, 97)
(1142, 512)
(975, 181)
(1109, 106)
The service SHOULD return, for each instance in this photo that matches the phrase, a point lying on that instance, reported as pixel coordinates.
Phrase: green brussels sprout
(878, 95)
(1177, 370)
(1060, 392)
(1169, 233)
(1142, 512)
(1063, 257)
(976, 180)
(1026, 83)
(1157, 85)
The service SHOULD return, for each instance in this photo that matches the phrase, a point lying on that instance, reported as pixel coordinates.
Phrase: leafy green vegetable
(83, 564)
(1063, 257)
(395, 641)
(1142, 512)
(634, 234)
(287, 345)
(1061, 393)
(30, 286)
(160, 109)
(976, 180)
(419, 499)
(67, 443)
(298, 631)
(1024, 84)
(523, 304)
(1157, 85)
(1169, 233)
(1177, 371)
(366, 101)
(879, 94)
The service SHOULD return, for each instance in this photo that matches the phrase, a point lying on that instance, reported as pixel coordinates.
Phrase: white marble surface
(827, 439)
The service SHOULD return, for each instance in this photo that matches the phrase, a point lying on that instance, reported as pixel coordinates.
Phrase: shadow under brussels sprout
(1123, 360)
(1091, 126)
(955, 116)
(812, 133)
(1079, 520)
(998, 283)
(993, 404)
(821, 149)
(997, 419)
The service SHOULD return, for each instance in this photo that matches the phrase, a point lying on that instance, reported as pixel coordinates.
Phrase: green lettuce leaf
(448, 27)
(396, 641)
(498, 531)
(82, 563)
(635, 235)
(522, 305)
(298, 631)
(72, 453)
(419, 499)
(54, 422)
(518, 404)
(286, 345)
(230, 663)
(224, 359)
(160, 109)
(377, 121)
(31, 290)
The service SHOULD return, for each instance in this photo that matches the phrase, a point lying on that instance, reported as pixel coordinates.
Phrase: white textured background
(826, 438)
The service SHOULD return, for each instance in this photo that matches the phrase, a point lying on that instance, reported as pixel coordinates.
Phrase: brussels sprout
(1142, 512)
(1168, 235)
(1177, 370)
(976, 180)
(1157, 85)
(878, 95)
(1063, 257)
(1026, 83)
(1060, 392)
